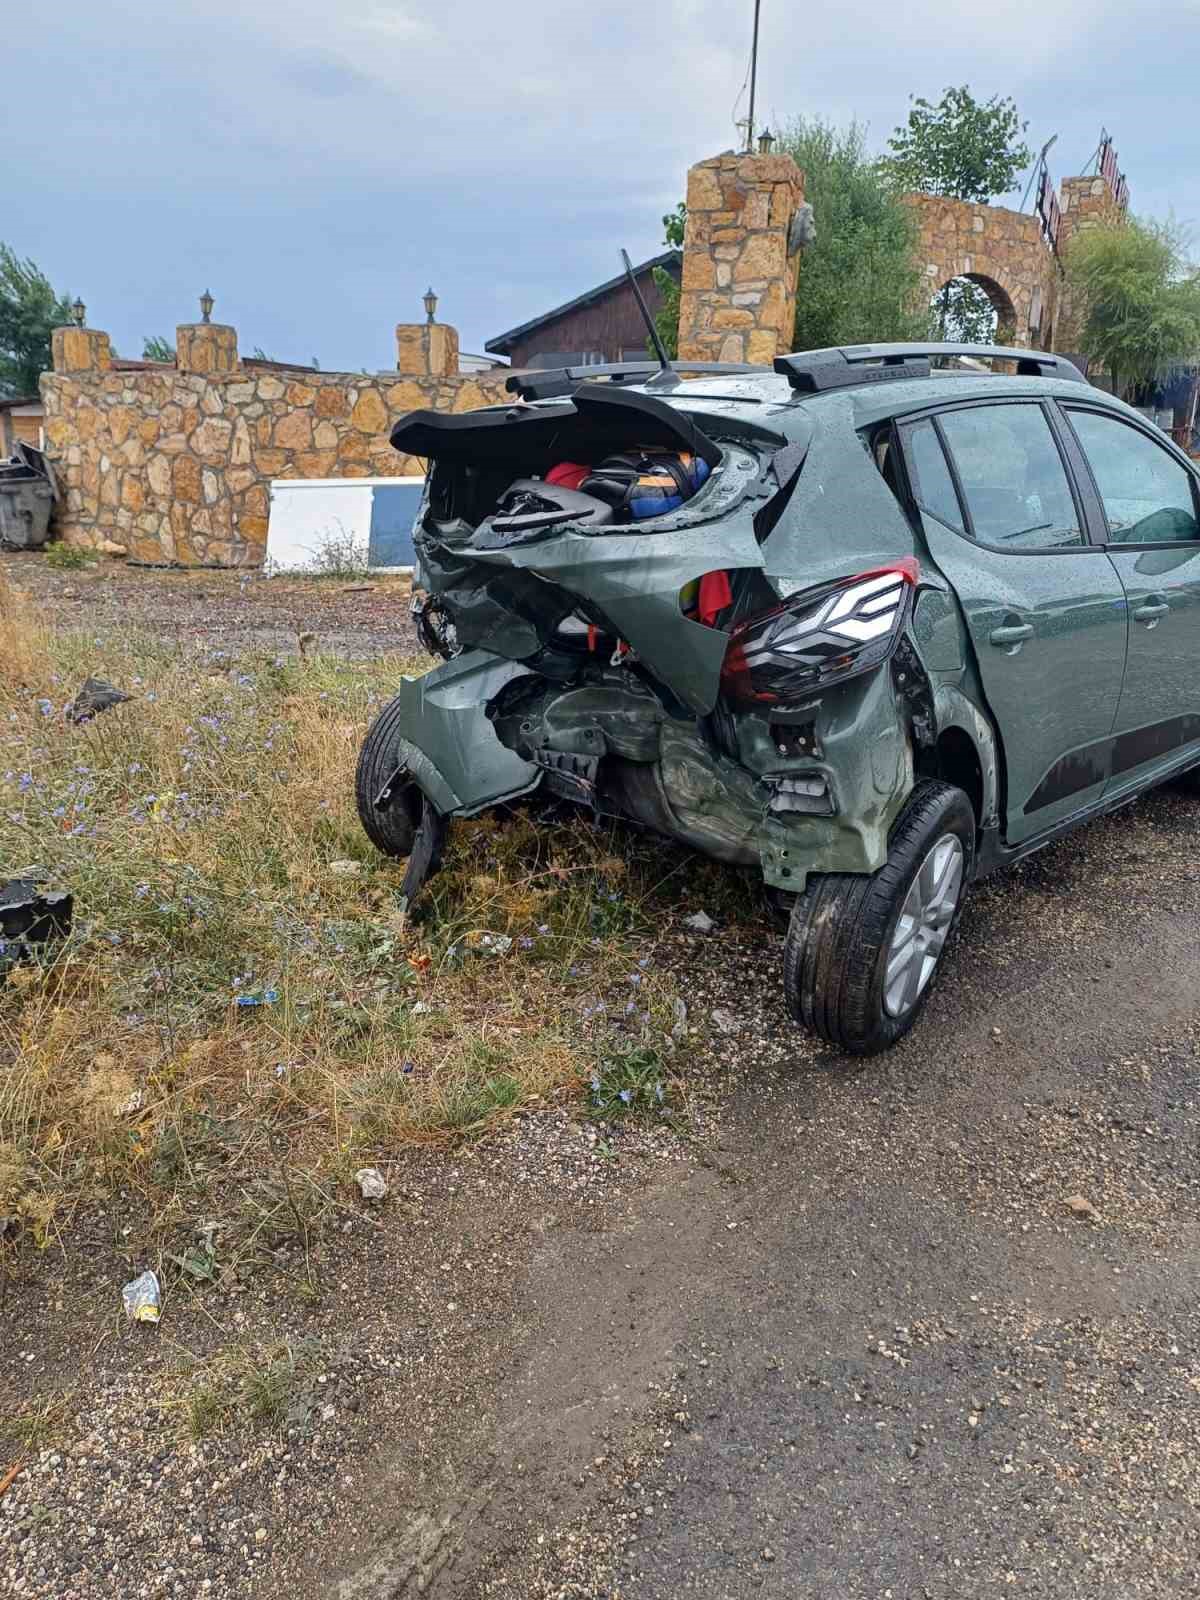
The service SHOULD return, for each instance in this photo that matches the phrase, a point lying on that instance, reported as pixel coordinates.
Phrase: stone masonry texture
(999, 249)
(1086, 203)
(176, 465)
(738, 300)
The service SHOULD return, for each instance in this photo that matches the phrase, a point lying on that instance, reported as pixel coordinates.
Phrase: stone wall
(738, 300)
(1001, 250)
(174, 463)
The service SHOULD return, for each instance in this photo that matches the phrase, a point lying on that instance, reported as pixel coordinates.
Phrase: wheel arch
(965, 752)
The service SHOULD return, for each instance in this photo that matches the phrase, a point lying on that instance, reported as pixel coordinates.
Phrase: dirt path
(354, 617)
(870, 1350)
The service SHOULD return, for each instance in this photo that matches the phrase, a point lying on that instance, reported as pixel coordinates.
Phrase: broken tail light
(819, 637)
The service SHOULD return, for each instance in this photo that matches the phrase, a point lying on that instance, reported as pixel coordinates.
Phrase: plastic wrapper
(141, 1298)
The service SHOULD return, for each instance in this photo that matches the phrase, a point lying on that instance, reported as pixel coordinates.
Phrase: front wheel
(861, 952)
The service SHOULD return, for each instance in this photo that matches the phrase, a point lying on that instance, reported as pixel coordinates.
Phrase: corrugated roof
(502, 344)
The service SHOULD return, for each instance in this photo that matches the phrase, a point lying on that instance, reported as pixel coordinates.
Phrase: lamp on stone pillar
(766, 142)
(206, 306)
(78, 313)
(427, 349)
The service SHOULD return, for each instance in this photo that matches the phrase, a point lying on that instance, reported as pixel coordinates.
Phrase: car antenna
(668, 378)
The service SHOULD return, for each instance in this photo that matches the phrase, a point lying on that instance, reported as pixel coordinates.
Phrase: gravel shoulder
(351, 617)
(848, 1340)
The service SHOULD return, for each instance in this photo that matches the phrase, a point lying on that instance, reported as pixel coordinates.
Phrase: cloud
(319, 165)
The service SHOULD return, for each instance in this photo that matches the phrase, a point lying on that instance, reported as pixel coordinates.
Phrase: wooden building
(602, 325)
(21, 417)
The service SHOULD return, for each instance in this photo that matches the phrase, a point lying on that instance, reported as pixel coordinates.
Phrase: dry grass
(232, 1015)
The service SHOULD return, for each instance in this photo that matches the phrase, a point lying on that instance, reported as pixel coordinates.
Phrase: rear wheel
(861, 952)
(392, 826)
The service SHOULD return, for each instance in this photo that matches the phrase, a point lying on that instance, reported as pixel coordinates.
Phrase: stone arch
(1001, 250)
(998, 296)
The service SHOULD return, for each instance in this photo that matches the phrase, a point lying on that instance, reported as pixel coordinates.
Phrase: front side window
(1013, 479)
(1147, 495)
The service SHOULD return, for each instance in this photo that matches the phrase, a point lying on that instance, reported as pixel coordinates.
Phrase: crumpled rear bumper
(449, 747)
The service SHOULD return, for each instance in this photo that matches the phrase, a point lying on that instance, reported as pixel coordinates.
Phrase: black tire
(391, 828)
(1188, 781)
(840, 935)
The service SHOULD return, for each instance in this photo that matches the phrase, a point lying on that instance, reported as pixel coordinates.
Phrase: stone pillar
(426, 350)
(1085, 203)
(80, 350)
(738, 300)
(206, 348)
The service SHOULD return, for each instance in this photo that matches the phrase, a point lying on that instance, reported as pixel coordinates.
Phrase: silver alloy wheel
(922, 926)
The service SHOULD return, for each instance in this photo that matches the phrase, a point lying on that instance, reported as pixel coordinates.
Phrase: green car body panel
(796, 505)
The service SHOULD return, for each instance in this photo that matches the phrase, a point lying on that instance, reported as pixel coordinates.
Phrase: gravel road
(356, 618)
(870, 1350)
(850, 1342)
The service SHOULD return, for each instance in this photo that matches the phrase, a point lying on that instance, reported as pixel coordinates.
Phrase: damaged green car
(868, 626)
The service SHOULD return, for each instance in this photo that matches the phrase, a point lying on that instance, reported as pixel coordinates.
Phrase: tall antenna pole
(753, 78)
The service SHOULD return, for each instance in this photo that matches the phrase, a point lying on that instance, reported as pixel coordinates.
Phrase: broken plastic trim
(31, 917)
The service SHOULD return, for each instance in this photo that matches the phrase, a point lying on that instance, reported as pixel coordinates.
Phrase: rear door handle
(1012, 634)
(1150, 611)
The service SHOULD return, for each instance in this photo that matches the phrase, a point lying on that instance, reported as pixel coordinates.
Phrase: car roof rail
(848, 366)
(545, 385)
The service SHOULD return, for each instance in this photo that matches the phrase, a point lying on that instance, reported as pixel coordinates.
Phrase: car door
(1148, 495)
(1044, 607)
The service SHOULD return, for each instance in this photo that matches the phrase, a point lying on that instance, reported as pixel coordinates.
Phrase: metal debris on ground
(31, 916)
(346, 869)
(371, 1183)
(141, 1298)
(94, 695)
(700, 921)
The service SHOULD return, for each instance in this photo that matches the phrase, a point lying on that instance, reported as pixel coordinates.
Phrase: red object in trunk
(568, 474)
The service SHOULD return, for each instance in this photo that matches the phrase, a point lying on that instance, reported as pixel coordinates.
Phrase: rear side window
(1016, 488)
(1148, 496)
(933, 487)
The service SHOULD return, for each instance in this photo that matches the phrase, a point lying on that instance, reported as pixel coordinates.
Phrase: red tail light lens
(820, 637)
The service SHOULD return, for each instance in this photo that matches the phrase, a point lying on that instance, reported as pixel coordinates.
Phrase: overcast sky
(318, 165)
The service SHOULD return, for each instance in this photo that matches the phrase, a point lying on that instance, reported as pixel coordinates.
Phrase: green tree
(156, 348)
(666, 318)
(1136, 298)
(963, 313)
(961, 147)
(859, 282)
(29, 310)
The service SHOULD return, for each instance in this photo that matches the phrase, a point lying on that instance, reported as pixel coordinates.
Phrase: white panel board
(309, 515)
